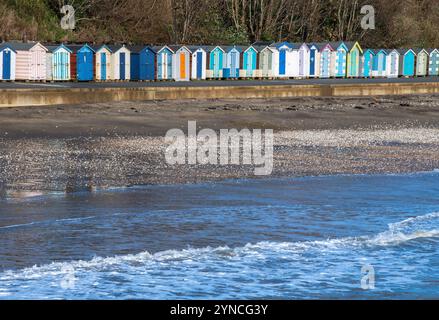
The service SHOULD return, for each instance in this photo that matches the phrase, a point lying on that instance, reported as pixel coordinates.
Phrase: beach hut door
(103, 66)
(199, 65)
(216, 64)
(325, 64)
(233, 64)
(301, 63)
(312, 67)
(282, 62)
(122, 66)
(6, 65)
(182, 66)
(393, 64)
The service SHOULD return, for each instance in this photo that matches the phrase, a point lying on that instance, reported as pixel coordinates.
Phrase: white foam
(425, 226)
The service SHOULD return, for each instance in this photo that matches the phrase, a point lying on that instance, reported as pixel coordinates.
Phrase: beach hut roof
(419, 50)
(53, 48)
(157, 49)
(250, 47)
(4, 46)
(24, 46)
(371, 51)
(277, 45)
(237, 47)
(262, 48)
(77, 47)
(98, 47)
(404, 51)
(194, 48)
(337, 44)
(212, 48)
(116, 47)
(431, 50)
(377, 51)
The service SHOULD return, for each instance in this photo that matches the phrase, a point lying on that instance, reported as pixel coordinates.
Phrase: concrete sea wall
(50, 96)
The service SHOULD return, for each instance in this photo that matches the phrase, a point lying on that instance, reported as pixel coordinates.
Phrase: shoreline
(82, 148)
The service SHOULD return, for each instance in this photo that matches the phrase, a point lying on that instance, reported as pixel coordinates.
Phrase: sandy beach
(71, 148)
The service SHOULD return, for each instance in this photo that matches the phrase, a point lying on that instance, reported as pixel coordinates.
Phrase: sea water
(291, 238)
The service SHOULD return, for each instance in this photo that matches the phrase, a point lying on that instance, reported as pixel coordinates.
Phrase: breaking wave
(426, 226)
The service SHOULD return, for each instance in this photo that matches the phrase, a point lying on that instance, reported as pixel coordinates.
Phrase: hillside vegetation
(398, 23)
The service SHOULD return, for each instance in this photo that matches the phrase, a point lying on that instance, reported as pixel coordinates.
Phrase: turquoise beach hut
(215, 57)
(407, 62)
(250, 62)
(368, 59)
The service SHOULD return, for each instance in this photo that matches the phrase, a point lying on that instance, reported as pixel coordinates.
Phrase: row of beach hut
(38, 62)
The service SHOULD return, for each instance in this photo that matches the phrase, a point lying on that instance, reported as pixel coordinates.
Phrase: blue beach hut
(82, 62)
(8, 58)
(143, 63)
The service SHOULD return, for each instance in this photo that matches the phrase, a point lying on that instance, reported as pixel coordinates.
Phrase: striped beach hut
(353, 59)
(433, 64)
(164, 62)
(103, 63)
(267, 57)
(120, 62)
(8, 58)
(407, 66)
(327, 61)
(421, 62)
(58, 60)
(314, 60)
(215, 62)
(393, 64)
(232, 62)
(199, 62)
(380, 63)
(182, 63)
(30, 61)
(250, 62)
(341, 57)
(367, 63)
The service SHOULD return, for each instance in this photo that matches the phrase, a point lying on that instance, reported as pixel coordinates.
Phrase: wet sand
(71, 148)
